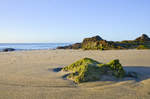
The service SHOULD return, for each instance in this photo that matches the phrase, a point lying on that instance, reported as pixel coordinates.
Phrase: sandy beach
(30, 75)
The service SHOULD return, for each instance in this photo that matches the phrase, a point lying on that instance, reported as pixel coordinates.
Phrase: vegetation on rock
(142, 47)
(88, 69)
(92, 39)
(97, 43)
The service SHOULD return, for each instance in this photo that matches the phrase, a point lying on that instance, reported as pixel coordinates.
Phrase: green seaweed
(79, 64)
(88, 69)
(142, 47)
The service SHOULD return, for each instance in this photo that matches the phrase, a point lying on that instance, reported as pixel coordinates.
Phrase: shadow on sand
(143, 72)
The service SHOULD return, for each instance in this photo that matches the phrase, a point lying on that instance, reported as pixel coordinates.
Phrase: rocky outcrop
(73, 46)
(143, 38)
(92, 39)
(91, 43)
(87, 69)
(8, 49)
(96, 42)
(141, 47)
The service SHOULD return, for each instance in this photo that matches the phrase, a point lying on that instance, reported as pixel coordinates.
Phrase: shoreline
(76, 50)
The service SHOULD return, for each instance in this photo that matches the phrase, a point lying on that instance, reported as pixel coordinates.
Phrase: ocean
(31, 46)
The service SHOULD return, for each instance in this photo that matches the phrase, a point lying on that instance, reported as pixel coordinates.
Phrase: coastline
(29, 46)
(29, 75)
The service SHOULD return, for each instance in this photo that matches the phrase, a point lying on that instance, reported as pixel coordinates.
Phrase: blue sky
(72, 20)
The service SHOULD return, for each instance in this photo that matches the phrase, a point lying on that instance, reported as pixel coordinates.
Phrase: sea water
(31, 46)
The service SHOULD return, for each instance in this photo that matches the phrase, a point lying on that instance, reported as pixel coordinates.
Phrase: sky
(60, 21)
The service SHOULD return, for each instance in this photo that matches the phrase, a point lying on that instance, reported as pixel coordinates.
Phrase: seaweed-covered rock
(92, 39)
(143, 38)
(140, 47)
(117, 68)
(91, 43)
(88, 69)
(97, 43)
(78, 64)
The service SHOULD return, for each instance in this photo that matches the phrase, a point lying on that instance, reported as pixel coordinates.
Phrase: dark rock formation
(80, 45)
(92, 39)
(143, 38)
(73, 46)
(76, 46)
(91, 43)
(8, 49)
(96, 42)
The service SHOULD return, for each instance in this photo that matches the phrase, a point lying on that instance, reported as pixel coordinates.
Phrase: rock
(92, 39)
(76, 65)
(8, 49)
(84, 43)
(97, 43)
(141, 47)
(76, 46)
(73, 46)
(143, 38)
(92, 43)
(57, 69)
(87, 69)
(62, 47)
(132, 74)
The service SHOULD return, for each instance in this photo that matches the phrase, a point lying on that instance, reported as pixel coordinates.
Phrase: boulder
(8, 49)
(87, 69)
